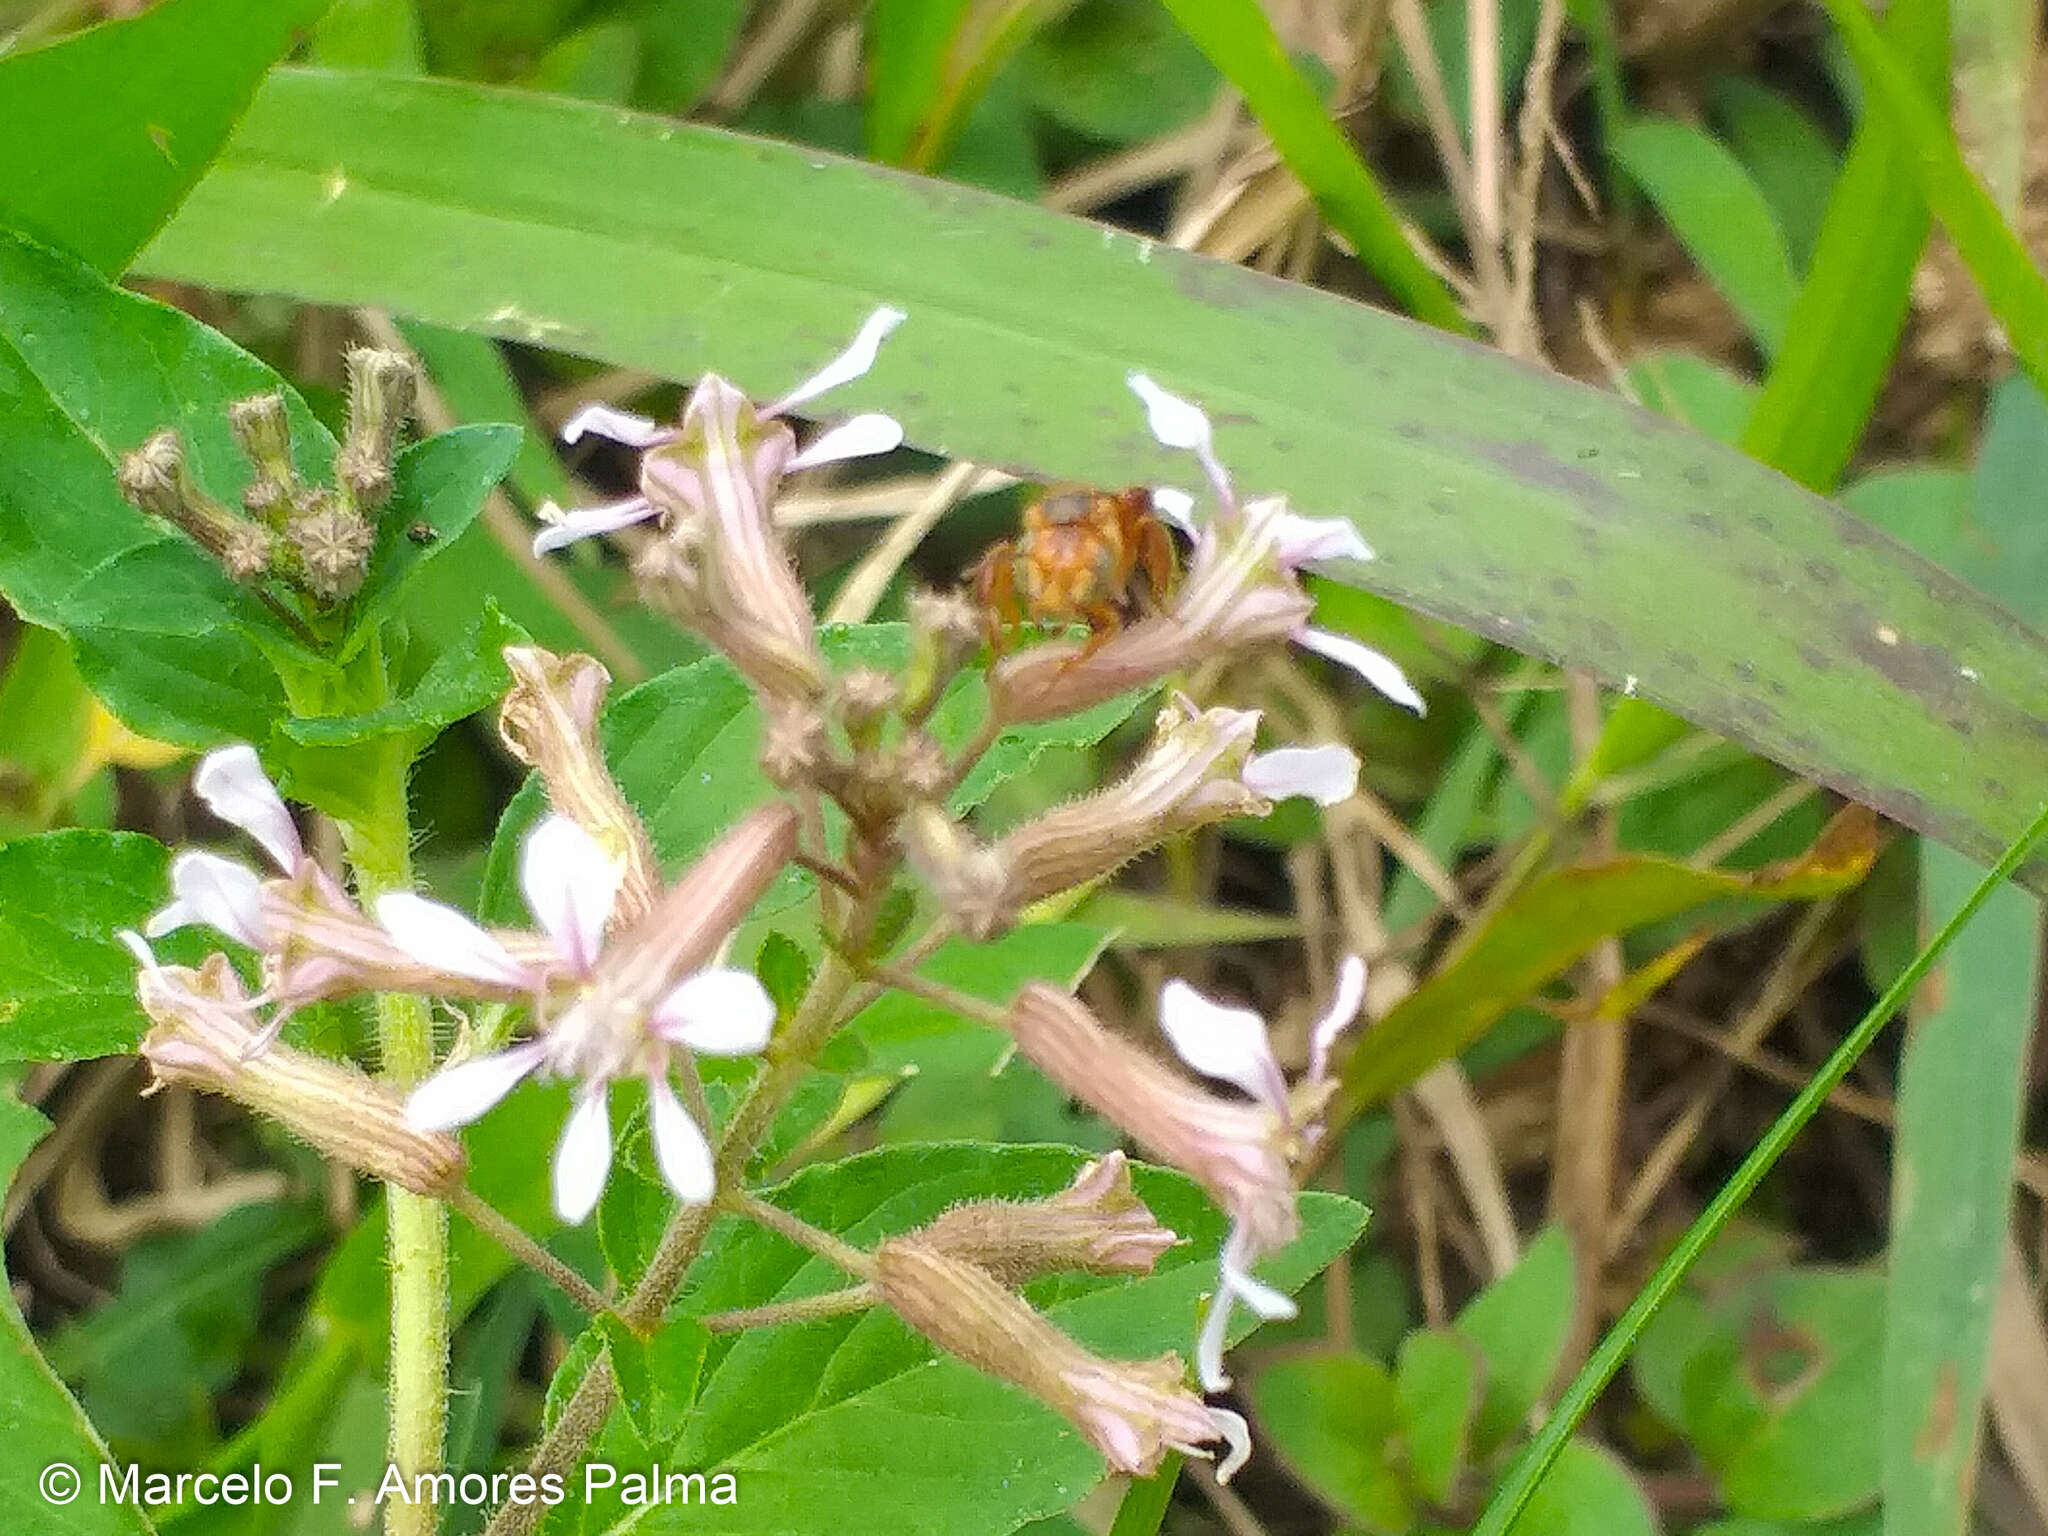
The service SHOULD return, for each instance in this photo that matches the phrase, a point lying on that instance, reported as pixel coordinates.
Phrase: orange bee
(1083, 557)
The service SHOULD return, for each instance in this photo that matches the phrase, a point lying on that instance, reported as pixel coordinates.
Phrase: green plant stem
(825, 1244)
(1522, 1479)
(380, 850)
(805, 1309)
(515, 1240)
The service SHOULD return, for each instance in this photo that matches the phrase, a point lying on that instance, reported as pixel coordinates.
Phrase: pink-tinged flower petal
(236, 789)
(583, 1157)
(1304, 540)
(860, 437)
(1378, 670)
(1232, 1430)
(619, 426)
(847, 366)
(680, 1150)
(215, 891)
(465, 1092)
(560, 528)
(1177, 507)
(570, 884)
(441, 937)
(1327, 775)
(1226, 1043)
(1345, 1003)
(717, 1012)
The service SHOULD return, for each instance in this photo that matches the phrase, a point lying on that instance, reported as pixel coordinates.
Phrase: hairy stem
(380, 849)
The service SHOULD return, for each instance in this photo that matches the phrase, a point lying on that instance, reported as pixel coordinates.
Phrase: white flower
(1258, 531)
(623, 1013)
(222, 893)
(1233, 1046)
(859, 437)
(1327, 774)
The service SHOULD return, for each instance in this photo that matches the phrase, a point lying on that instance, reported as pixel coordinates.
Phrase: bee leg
(995, 588)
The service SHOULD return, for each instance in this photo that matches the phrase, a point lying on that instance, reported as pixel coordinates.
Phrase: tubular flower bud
(154, 478)
(264, 434)
(314, 941)
(381, 387)
(945, 631)
(1199, 769)
(201, 1034)
(625, 1004)
(713, 478)
(1132, 1411)
(1096, 1225)
(1241, 590)
(549, 722)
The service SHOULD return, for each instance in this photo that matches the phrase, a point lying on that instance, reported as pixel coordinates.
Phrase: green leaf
(682, 50)
(1613, 542)
(1439, 1375)
(1119, 70)
(1336, 1421)
(1588, 1493)
(1520, 1324)
(369, 34)
(67, 986)
(1846, 321)
(45, 1427)
(1543, 930)
(1786, 155)
(457, 683)
(1240, 41)
(1694, 392)
(1720, 216)
(103, 133)
(826, 1417)
(149, 1361)
(2012, 285)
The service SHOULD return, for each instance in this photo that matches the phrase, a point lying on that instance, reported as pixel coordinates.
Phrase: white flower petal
(680, 1149)
(1262, 1298)
(441, 937)
(847, 366)
(215, 891)
(1378, 670)
(583, 1156)
(1345, 1003)
(1177, 507)
(559, 528)
(570, 883)
(1212, 1340)
(717, 1012)
(860, 437)
(1303, 540)
(138, 947)
(1175, 422)
(235, 788)
(1232, 1430)
(1327, 775)
(465, 1092)
(1226, 1043)
(619, 426)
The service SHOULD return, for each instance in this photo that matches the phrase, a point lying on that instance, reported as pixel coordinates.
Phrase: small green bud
(264, 434)
(154, 479)
(381, 388)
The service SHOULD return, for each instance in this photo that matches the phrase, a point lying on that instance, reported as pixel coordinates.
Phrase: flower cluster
(621, 974)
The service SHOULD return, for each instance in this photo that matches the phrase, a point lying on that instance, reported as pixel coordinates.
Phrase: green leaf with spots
(1544, 514)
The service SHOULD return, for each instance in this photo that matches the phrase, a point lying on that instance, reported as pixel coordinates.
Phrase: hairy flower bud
(381, 386)
(1236, 1151)
(155, 479)
(200, 1034)
(794, 746)
(1132, 1411)
(1097, 1225)
(549, 722)
(865, 696)
(1189, 777)
(264, 434)
(945, 631)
